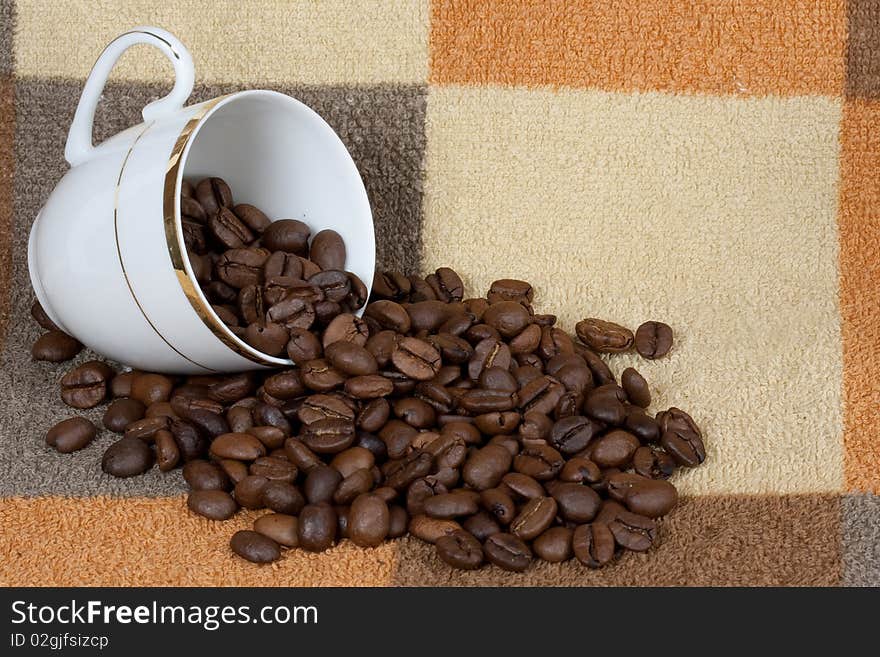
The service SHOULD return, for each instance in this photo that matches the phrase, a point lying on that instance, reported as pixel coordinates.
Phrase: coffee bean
(288, 235)
(572, 434)
(604, 336)
(71, 435)
(636, 387)
(577, 503)
(348, 328)
(167, 452)
(482, 525)
(249, 491)
(353, 459)
(329, 436)
(651, 498)
(351, 359)
(86, 386)
(461, 550)
(507, 552)
(389, 315)
(303, 345)
(121, 413)
(213, 194)
(369, 521)
(614, 449)
(240, 267)
(282, 497)
(204, 475)
(507, 317)
(509, 289)
(321, 484)
(580, 470)
(416, 359)
(593, 544)
(229, 230)
(320, 375)
(55, 347)
(606, 404)
(554, 545)
(536, 516)
(499, 504)
(328, 250)
(485, 467)
(431, 529)
(280, 527)
(238, 446)
(522, 486)
(127, 457)
(632, 531)
(641, 425)
(653, 340)
(452, 505)
(357, 483)
(269, 338)
(540, 462)
(490, 352)
(189, 440)
(681, 438)
(274, 468)
(253, 217)
(653, 463)
(212, 504)
(151, 388)
(283, 264)
(316, 529)
(400, 473)
(254, 547)
(41, 318)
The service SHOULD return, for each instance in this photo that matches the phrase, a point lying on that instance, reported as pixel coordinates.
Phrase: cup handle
(79, 146)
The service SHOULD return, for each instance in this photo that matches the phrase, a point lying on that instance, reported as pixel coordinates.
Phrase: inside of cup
(280, 156)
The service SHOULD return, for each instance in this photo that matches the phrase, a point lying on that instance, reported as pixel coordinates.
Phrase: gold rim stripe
(174, 238)
(122, 262)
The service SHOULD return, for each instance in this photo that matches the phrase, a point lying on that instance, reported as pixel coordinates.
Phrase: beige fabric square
(245, 41)
(716, 215)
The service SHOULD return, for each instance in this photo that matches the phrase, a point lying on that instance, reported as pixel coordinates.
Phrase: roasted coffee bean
(204, 475)
(523, 487)
(254, 547)
(280, 527)
(71, 435)
(282, 497)
(194, 237)
(238, 446)
(554, 545)
(416, 359)
(271, 437)
(593, 544)
(352, 460)
(509, 289)
(333, 284)
(580, 470)
(431, 529)
(291, 313)
(614, 449)
(251, 304)
(604, 336)
(213, 194)
(220, 292)
(86, 386)
(41, 318)
(498, 423)
(121, 384)
(460, 549)
(369, 520)
(536, 516)
(398, 521)
(636, 387)
(303, 346)
(641, 425)
(390, 285)
(249, 491)
(490, 352)
(507, 552)
(320, 375)
(485, 467)
(288, 235)
(147, 428)
(633, 531)
(189, 440)
(55, 347)
(127, 457)
(235, 470)
(572, 434)
(151, 388)
(274, 468)
(480, 401)
(269, 338)
(317, 527)
(351, 359)
(482, 525)
(452, 349)
(648, 497)
(321, 483)
(121, 413)
(240, 267)
(322, 407)
(253, 217)
(283, 264)
(577, 503)
(420, 491)
(509, 318)
(389, 315)
(681, 438)
(653, 340)
(357, 483)
(300, 455)
(329, 436)
(229, 230)
(212, 504)
(498, 504)
(540, 462)
(348, 328)
(400, 473)
(607, 404)
(452, 505)
(328, 250)
(541, 395)
(653, 463)
(192, 211)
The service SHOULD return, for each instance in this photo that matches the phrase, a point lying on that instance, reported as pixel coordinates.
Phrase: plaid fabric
(708, 163)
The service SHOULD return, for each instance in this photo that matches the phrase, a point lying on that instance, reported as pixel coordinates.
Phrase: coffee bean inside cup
(475, 424)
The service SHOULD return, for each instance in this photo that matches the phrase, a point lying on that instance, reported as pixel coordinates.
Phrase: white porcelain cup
(106, 253)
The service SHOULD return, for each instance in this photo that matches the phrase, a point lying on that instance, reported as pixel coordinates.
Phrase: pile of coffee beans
(475, 424)
(266, 280)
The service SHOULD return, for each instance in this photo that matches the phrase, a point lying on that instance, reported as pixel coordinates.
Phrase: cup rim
(174, 228)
